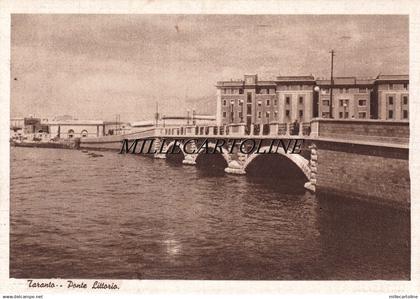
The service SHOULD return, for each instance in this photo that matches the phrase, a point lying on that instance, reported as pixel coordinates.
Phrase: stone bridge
(364, 159)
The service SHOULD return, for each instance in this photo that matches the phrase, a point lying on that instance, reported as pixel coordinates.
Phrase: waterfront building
(391, 97)
(76, 128)
(351, 98)
(246, 101)
(17, 125)
(116, 127)
(302, 98)
(296, 97)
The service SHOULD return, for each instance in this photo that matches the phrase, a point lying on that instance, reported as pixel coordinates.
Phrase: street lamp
(231, 110)
(188, 116)
(193, 116)
(241, 103)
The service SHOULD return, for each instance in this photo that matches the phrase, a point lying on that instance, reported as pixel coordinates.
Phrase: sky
(97, 66)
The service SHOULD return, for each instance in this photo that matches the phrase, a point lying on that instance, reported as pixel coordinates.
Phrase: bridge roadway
(366, 160)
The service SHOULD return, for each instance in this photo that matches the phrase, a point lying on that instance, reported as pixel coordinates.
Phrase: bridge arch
(224, 153)
(175, 157)
(298, 160)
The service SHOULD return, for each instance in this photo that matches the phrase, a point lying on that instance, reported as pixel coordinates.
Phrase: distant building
(391, 97)
(351, 98)
(116, 127)
(76, 128)
(295, 94)
(302, 98)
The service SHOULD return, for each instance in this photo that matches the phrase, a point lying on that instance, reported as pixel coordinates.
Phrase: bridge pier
(189, 159)
(237, 166)
(159, 155)
(313, 165)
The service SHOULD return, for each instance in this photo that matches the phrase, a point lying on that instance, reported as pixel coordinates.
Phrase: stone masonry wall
(379, 131)
(377, 174)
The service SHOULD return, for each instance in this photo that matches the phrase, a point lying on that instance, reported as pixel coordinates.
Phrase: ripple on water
(125, 216)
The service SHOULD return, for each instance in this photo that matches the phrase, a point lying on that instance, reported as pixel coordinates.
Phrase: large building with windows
(301, 98)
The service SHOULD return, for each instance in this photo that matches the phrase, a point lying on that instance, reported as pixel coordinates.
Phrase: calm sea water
(131, 217)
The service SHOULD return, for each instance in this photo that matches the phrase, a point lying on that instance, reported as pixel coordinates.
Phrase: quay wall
(364, 172)
(367, 159)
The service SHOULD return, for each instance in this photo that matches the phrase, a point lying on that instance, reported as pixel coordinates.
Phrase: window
(70, 133)
(287, 113)
(259, 103)
(390, 114)
(346, 114)
(259, 114)
(275, 102)
(325, 115)
(405, 114)
(240, 115)
(362, 102)
(362, 114)
(325, 102)
(224, 113)
(275, 114)
(268, 91)
(405, 86)
(405, 100)
(267, 114)
(340, 115)
(391, 100)
(300, 100)
(249, 97)
(248, 109)
(287, 100)
(267, 102)
(241, 91)
(300, 113)
(224, 102)
(341, 103)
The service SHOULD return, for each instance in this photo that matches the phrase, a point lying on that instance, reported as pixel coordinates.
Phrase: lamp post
(188, 116)
(231, 110)
(332, 83)
(241, 103)
(193, 117)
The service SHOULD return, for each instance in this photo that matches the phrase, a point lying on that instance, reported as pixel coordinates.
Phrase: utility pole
(157, 114)
(332, 83)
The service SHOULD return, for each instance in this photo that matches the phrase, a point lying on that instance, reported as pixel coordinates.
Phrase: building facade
(302, 98)
(76, 128)
(391, 97)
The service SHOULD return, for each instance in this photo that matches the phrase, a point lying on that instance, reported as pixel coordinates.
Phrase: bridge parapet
(397, 132)
(240, 130)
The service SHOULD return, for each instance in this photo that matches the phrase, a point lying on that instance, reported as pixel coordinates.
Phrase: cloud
(95, 66)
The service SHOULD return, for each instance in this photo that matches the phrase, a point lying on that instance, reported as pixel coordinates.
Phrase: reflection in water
(125, 216)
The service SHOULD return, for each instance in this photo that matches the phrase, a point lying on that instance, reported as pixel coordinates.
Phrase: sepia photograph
(208, 147)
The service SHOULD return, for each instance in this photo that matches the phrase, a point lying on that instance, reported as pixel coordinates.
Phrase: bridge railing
(241, 129)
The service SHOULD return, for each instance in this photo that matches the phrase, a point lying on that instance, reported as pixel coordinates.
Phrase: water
(131, 217)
